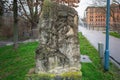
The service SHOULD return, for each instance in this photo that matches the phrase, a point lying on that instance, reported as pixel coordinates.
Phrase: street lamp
(106, 63)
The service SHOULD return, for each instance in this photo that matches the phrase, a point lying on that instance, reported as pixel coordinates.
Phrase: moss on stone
(40, 76)
(47, 8)
(72, 75)
(49, 76)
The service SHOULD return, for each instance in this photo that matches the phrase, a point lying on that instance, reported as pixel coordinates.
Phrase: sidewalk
(97, 36)
(6, 43)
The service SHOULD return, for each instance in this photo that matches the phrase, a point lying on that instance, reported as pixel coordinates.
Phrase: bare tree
(15, 11)
(1, 7)
(30, 11)
(1, 10)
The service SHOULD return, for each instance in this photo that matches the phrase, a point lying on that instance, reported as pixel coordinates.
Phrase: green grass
(14, 65)
(115, 34)
(94, 71)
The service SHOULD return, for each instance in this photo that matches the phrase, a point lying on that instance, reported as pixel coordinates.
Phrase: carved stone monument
(58, 52)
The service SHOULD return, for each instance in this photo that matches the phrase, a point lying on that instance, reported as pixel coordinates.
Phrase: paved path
(97, 36)
(3, 43)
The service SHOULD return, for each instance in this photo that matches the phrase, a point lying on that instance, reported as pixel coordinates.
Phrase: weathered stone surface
(48, 76)
(58, 51)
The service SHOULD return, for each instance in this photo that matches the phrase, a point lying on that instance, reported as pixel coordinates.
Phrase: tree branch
(30, 6)
(24, 10)
(24, 18)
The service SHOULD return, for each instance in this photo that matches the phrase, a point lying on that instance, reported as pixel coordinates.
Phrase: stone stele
(58, 52)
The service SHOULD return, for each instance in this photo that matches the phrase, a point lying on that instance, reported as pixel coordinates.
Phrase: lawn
(14, 65)
(94, 70)
(115, 34)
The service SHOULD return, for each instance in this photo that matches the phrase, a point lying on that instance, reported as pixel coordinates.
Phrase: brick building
(96, 16)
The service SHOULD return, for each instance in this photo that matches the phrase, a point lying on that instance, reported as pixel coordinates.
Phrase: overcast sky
(82, 6)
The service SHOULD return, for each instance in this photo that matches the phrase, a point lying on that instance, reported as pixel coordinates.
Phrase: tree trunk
(15, 9)
(33, 26)
(1, 7)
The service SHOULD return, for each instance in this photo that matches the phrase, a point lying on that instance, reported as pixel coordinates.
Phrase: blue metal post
(106, 63)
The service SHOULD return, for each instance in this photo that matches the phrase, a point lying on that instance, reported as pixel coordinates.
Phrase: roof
(112, 6)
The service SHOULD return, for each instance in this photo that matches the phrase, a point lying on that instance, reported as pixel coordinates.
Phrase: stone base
(49, 76)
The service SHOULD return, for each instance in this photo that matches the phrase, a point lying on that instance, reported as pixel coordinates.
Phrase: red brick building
(96, 16)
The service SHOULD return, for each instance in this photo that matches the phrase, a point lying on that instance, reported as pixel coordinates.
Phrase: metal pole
(106, 63)
(101, 52)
